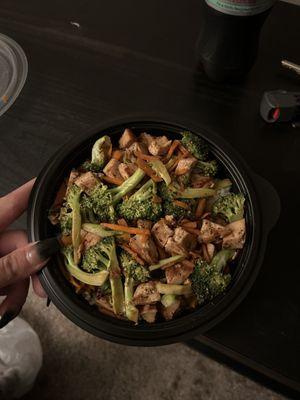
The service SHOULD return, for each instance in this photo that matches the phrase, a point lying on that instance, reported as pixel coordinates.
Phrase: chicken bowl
(162, 226)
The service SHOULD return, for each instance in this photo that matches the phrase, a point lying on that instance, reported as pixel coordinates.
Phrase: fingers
(14, 204)
(12, 240)
(37, 286)
(14, 301)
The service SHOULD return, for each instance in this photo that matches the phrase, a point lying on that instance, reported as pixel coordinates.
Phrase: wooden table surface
(93, 61)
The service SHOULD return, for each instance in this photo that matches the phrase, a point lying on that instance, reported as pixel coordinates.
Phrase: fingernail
(6, 318)
(42, 250)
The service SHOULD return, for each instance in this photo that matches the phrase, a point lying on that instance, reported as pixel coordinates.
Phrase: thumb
(26, 261)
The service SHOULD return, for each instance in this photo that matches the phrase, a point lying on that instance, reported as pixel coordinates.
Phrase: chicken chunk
(146, 293)
(178, 273)
(211, 232)
(185, 165)
(146, 138)
(87, 181)
(112, 169)
(137, 147)
(148, 312)
(170, 221)
(127, 139)
(144, 224)
(236, 238)
(162, 232)
(174, 248)
(185, 239)
(210, 247)
(126, 170)
(73, 175)
(169, 312)
(89, 240)
(145, 248)
(159, 145)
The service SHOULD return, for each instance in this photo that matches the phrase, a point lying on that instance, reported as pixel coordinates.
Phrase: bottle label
(241, 7)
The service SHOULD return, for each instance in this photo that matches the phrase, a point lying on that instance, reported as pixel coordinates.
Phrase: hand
(19, 260)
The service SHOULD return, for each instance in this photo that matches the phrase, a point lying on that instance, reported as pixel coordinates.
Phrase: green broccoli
(100, 155)
(207, 168)
(93, 259)
(95, 279)
(101, 200)
(107, 247)
(208, 280)
(134, 273)
(140, 205)
(195, 145)
(230, 207)
(168, 194)
(65, 220)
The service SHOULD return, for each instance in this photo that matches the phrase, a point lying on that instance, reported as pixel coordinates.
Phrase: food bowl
(261, 213)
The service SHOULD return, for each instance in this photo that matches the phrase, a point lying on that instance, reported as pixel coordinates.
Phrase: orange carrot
(200, 208)
(126, 229)
(188, 263)
(189, 224)
(173, 147)
(114, 181)
(117, 154)
(184, 150)
(181, 204)
(66, 240)
(122, 222)
(132, 253)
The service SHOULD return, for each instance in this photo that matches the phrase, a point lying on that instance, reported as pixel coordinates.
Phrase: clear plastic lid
(13, 71)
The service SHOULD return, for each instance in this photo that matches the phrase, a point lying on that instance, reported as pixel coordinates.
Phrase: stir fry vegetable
(151, 229)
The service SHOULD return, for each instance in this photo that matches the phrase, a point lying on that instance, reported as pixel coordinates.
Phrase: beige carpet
(79, 366)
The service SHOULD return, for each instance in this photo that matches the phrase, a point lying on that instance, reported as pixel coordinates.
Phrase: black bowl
(262, 211)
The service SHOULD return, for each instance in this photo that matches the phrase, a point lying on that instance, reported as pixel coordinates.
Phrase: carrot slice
(126, 229)
(66, 240)
(117, 154)
(181, 204)
(189, 224)
(183, 150)
(148, 170)
(132, 253)
(114, 181)
(200, 208)
(173, 147)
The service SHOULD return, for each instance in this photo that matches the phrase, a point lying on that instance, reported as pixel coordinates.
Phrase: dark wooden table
(133, 57)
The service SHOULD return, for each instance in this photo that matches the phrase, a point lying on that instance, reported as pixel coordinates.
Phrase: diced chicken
(127, 139)
(236, 238)
(174, 248)
(169, 312)
(144, 224)
(159, 145)
(89, 240)
(126, 170)
(211, 232)
(87, 181)
(146, 138)
(73, 175)
(145, 248)
(146, 293)
(162, 232)
(111, 169)
(185, 165)
(185, 239)
(198, 181)
(210, 248)
(148, 312)
(137, 147)
(122, 222)
(178, 273)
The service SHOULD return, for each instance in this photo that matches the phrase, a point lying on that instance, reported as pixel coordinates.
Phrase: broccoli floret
(101, 200)
(195, 145)
(65, 220)
(132, 269)
(208, 280)
(100, 155)
(140, 205)
(93, 259)
(207, 168)
(107, 247)
(168, 195)
(230, 207)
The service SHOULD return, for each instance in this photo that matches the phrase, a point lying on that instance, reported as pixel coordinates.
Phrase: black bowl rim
(183, 327)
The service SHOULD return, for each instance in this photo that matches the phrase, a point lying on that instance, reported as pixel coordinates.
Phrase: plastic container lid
(13, 72)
